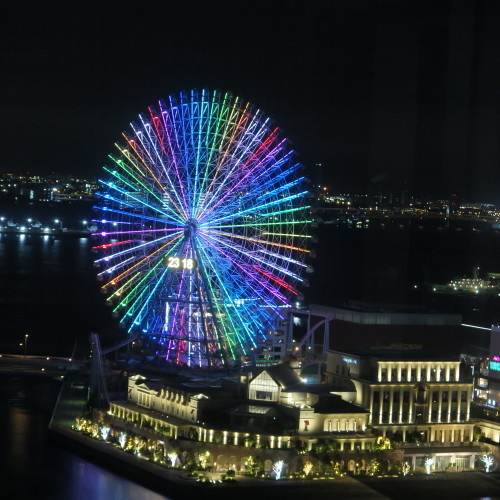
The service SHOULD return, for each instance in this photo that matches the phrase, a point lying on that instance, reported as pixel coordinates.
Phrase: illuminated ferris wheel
(203, 227)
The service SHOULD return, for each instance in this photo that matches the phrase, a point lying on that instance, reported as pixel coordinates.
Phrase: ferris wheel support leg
(326, 339)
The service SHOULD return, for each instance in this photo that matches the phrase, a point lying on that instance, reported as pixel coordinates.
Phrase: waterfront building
(408, 392)
(272, 409)
(493, 374)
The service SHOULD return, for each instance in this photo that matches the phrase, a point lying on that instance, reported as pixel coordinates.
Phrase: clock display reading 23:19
(180, 263)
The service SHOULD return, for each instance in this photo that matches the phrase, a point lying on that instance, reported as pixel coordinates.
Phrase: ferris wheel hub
(190, 228)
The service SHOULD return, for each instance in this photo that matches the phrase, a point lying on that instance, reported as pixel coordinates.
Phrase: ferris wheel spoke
(118, 278)
(283, 257)
(137, 320)
(257, 240)
(252, 171)
(170, 153)
(109, 245)
(249, 254)
(258, 224)
(226, 184)
(132, 160)
(239, 321)
(130, 183)
(259, 208)
(244, 269)
(234, 297)
(143, 282)
(133, 144)
(153, 138)
(136, 215)
(140, 231)
(215, 129)
(143, 203)
(226, 147)
(234, 332)
(175, 236)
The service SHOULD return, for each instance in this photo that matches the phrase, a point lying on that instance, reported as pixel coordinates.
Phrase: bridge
(314, 345)
(39, 364)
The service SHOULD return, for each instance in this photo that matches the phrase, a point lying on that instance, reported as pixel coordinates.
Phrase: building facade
(407, 392)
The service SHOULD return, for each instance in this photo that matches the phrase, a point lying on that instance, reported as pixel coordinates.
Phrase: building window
(395, 397)
(421, 395)
(406, 396)
(445, 397)
(403, 374)
(413, 374)
(463, 396)
(453, 415)
(422, 374)
(386, 397)
(443, 415)
(452, 374)
(385, 417)
(384, 375)
(376, 397)
(263, 395)
(435, 396)
(454, 396)
(404, 417)
(434, 416)
(393, 374)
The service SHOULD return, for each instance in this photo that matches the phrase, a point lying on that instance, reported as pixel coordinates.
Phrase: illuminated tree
(487, 459)
(429, 462)
(203, 459)
(308, 467)
(278, 468)
(122, 439)
(104, 432)
(172, 456)
(373, 467)
(405, 469)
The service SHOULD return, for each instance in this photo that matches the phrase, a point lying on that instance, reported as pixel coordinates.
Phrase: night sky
(385, 94)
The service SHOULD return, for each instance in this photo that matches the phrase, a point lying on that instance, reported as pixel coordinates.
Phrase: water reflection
(87, 481)
(34, 467)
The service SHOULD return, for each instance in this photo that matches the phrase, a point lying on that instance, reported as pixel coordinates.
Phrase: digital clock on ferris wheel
(184, 263)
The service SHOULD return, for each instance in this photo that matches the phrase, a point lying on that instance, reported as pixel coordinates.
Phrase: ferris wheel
(203, 226)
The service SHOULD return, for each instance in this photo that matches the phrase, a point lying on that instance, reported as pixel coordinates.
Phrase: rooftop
(399, 355)
(335, 404)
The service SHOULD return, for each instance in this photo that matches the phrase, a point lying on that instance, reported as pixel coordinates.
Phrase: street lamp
(25, 344)
(57, 221)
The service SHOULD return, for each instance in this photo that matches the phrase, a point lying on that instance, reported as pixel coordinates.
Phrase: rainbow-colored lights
(205, 181)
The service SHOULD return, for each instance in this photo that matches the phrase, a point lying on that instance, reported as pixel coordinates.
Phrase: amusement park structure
(203, 229)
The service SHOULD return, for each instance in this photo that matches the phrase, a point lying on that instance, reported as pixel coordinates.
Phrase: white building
(408, 391)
